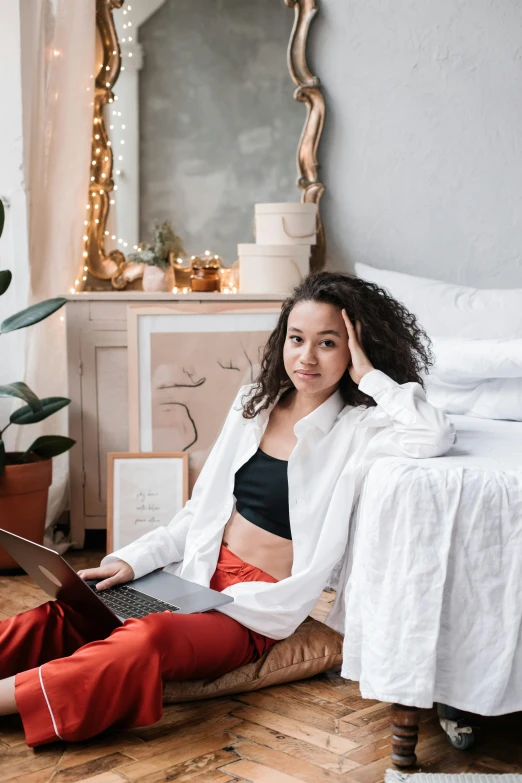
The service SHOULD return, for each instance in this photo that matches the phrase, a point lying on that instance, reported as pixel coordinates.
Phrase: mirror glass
(205, 124)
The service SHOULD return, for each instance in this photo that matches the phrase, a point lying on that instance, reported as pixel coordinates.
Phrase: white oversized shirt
(336, 445)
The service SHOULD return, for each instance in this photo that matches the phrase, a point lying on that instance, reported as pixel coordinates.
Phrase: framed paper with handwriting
(144, 492)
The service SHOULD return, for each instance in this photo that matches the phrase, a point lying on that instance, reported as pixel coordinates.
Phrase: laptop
(154, 592)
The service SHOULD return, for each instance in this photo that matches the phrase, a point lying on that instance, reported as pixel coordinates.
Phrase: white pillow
(492, 398)
(476, 377)
(449, 310)
(458, 360)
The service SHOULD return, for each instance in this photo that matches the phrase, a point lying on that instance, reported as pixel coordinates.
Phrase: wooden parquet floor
(318, 731)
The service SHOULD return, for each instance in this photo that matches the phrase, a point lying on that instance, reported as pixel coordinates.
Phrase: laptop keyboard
(126, 602)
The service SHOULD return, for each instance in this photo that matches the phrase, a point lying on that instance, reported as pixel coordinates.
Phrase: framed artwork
(187, 362)
(144, 491)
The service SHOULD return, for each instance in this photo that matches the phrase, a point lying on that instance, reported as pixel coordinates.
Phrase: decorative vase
(23, 501)
(156, 279)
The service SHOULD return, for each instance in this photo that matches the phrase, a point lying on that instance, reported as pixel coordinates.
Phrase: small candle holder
(206, 272)
(229, 279)
(182, 277)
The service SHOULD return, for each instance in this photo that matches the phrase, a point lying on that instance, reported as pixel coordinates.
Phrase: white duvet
(433, 602)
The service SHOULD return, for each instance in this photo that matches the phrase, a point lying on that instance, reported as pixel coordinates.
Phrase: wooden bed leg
(405, 733)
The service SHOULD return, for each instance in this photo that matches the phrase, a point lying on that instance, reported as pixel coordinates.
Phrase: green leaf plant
(34, 409)
(157, 253)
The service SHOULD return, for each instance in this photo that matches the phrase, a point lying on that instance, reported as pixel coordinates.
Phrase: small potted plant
(25, 477)
(158, 274)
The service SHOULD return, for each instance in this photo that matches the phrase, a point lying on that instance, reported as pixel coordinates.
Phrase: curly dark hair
(391, 338)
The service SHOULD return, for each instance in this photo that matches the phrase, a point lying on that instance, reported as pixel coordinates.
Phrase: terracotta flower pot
(23, 501)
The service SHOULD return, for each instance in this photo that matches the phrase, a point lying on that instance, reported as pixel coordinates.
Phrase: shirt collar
(323, 416)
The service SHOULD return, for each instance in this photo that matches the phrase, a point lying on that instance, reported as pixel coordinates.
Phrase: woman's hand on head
(116, 573)
(359, 365)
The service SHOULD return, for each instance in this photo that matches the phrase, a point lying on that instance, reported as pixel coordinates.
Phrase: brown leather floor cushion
(312, 648)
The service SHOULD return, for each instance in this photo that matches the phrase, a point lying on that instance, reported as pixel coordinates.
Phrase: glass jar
(229, 279)
(206, 273)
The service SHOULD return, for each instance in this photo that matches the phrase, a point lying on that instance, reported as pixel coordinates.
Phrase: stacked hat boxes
(280, 257)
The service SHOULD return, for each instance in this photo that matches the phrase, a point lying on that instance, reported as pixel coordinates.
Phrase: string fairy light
(94, 162)
(117, 124)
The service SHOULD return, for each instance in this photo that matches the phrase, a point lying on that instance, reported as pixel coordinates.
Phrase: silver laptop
(155, 592)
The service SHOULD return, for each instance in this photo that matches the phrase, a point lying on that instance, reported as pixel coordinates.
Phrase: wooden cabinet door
(105, 415)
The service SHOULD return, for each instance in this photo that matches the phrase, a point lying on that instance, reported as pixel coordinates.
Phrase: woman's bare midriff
(272, 554)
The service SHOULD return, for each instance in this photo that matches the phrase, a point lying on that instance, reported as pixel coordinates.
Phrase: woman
(268, 520)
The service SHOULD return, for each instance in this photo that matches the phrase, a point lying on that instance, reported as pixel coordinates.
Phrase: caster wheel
(462, 741)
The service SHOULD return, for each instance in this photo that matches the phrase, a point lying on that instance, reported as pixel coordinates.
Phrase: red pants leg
(50, 631)
(118, 681)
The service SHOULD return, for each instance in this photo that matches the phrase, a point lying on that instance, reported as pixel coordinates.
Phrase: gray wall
(422, 151)
(219, 127)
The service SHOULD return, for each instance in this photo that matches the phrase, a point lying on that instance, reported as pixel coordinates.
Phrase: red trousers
(71, 684)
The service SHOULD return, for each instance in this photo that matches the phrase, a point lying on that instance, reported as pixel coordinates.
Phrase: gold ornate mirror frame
(110, 267)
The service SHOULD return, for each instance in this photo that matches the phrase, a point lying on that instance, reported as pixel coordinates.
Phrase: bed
(434, 595)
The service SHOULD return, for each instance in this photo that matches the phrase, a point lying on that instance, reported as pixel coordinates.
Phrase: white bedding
(434, 599)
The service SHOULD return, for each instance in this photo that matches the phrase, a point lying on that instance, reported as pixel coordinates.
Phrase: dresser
(98, 387)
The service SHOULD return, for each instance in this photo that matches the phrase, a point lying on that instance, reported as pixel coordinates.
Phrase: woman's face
(315, 352)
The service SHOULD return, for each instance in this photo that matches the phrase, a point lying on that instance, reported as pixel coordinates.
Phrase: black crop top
(261, 492)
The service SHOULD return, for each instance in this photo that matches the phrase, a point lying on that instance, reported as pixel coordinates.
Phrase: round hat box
(286, 224)
(272, 269)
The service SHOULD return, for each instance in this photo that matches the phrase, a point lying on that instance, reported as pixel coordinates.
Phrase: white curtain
(58, 56)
